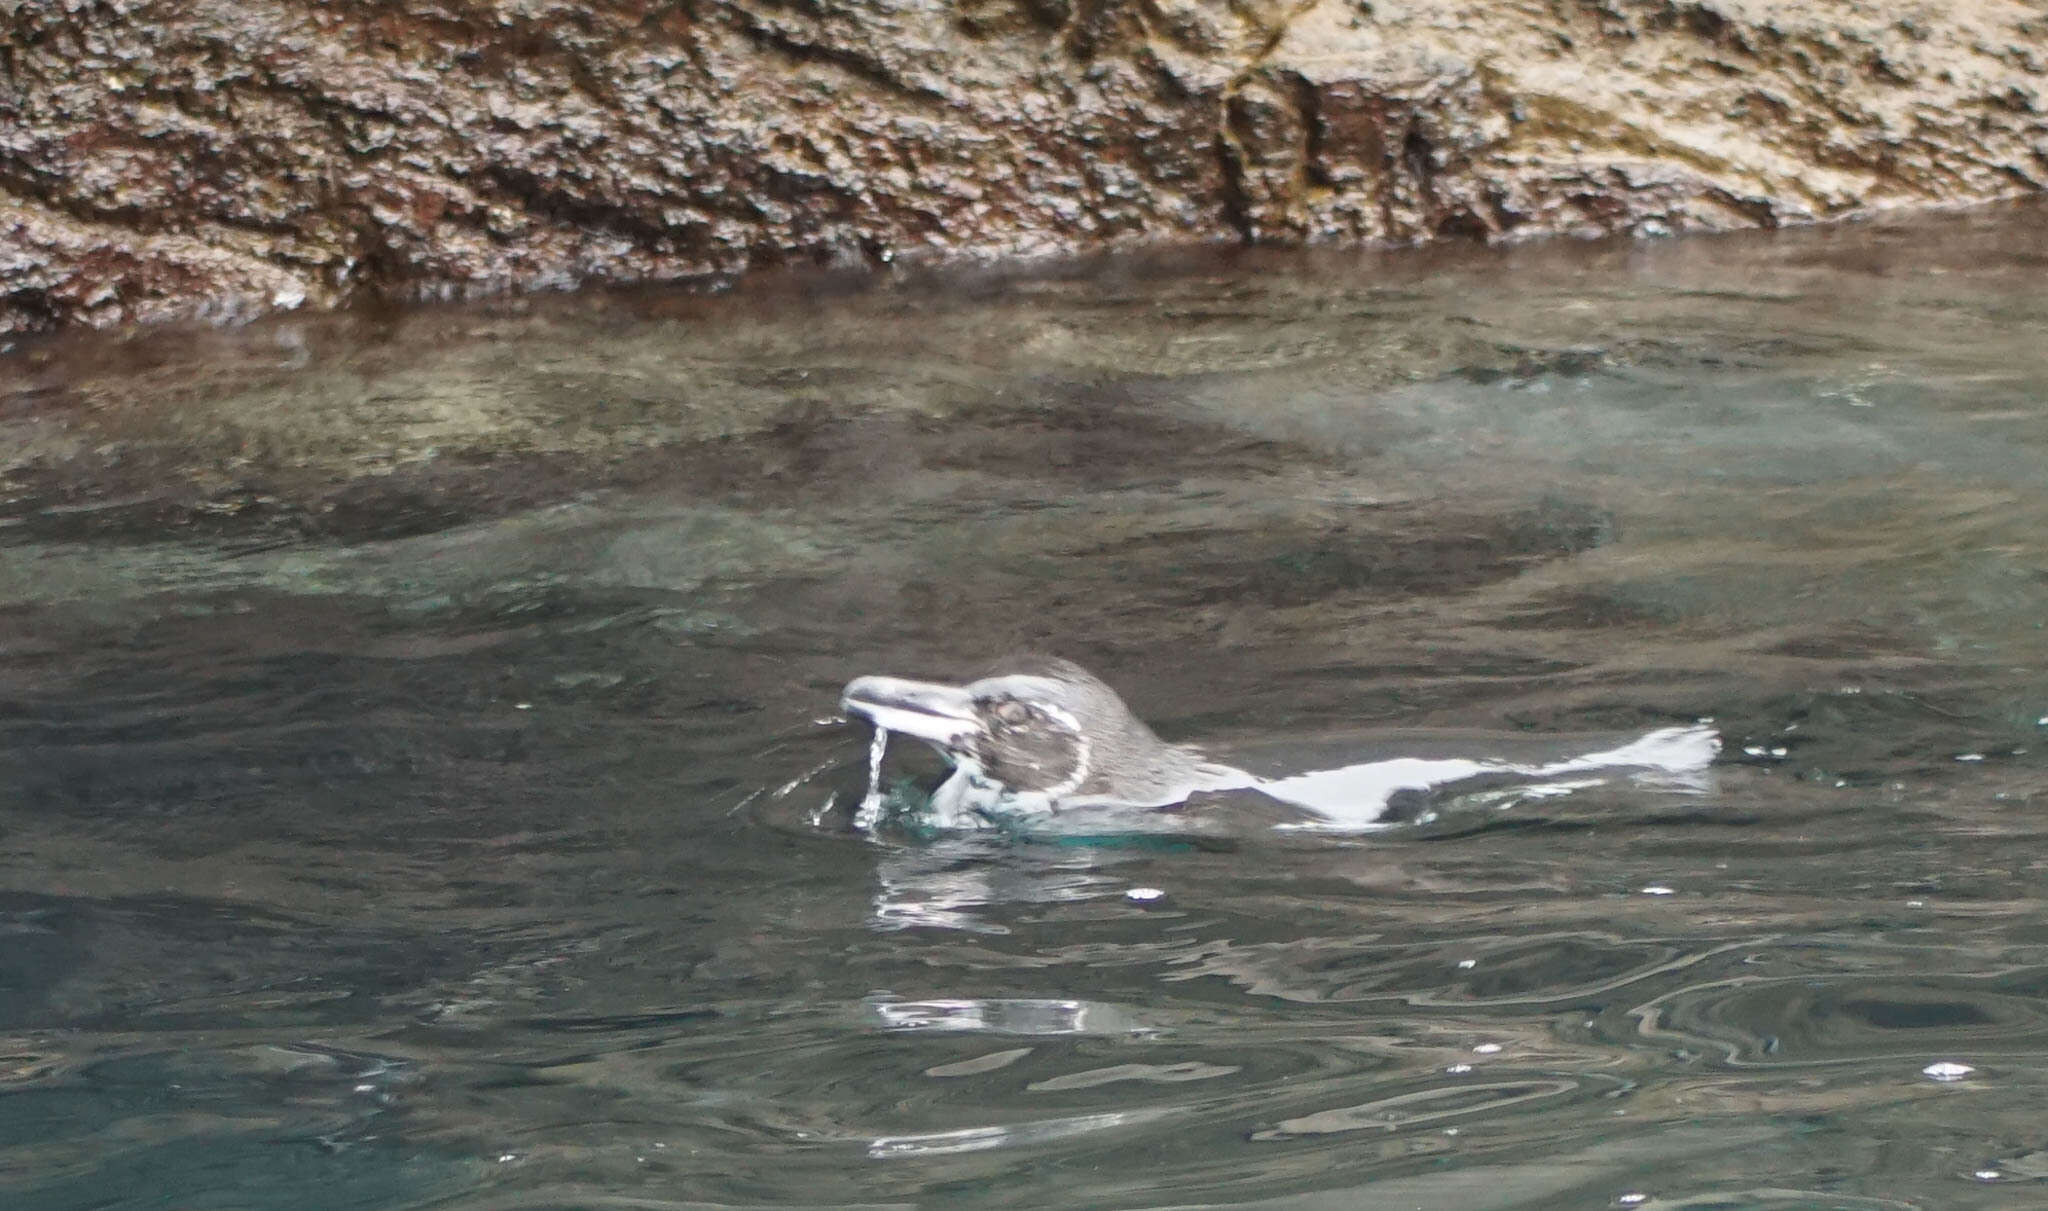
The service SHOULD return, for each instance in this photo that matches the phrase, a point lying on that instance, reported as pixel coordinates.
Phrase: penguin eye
(1011, 711)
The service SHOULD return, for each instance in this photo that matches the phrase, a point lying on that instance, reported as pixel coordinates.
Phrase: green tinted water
(418, 787)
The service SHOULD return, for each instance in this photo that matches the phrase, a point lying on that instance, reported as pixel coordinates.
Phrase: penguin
(1044, 736)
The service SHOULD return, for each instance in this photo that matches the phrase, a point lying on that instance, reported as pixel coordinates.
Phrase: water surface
(418, 785)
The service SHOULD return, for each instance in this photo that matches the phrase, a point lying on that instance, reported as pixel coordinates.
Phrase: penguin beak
(941, 714)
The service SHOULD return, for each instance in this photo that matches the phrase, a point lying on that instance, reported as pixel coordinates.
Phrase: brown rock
(223, 157)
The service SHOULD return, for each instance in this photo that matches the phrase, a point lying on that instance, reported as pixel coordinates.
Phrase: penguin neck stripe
(1083, 752)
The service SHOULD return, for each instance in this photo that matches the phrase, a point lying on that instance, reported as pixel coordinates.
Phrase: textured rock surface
(181, 157)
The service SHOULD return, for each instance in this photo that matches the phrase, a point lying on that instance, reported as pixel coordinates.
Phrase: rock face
(163, 158)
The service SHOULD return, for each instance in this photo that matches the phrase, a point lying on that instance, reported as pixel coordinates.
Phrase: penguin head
(1041, 727)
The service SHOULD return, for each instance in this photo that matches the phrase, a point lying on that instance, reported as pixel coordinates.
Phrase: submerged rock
(165, 158)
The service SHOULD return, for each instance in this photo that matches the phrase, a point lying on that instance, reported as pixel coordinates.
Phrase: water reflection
(946, 885)
(1010, 1016)
(976, 1139)
(1807, 1021)
(1417, 1108)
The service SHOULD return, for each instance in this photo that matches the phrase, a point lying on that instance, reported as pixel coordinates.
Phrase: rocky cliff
(164, 158)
